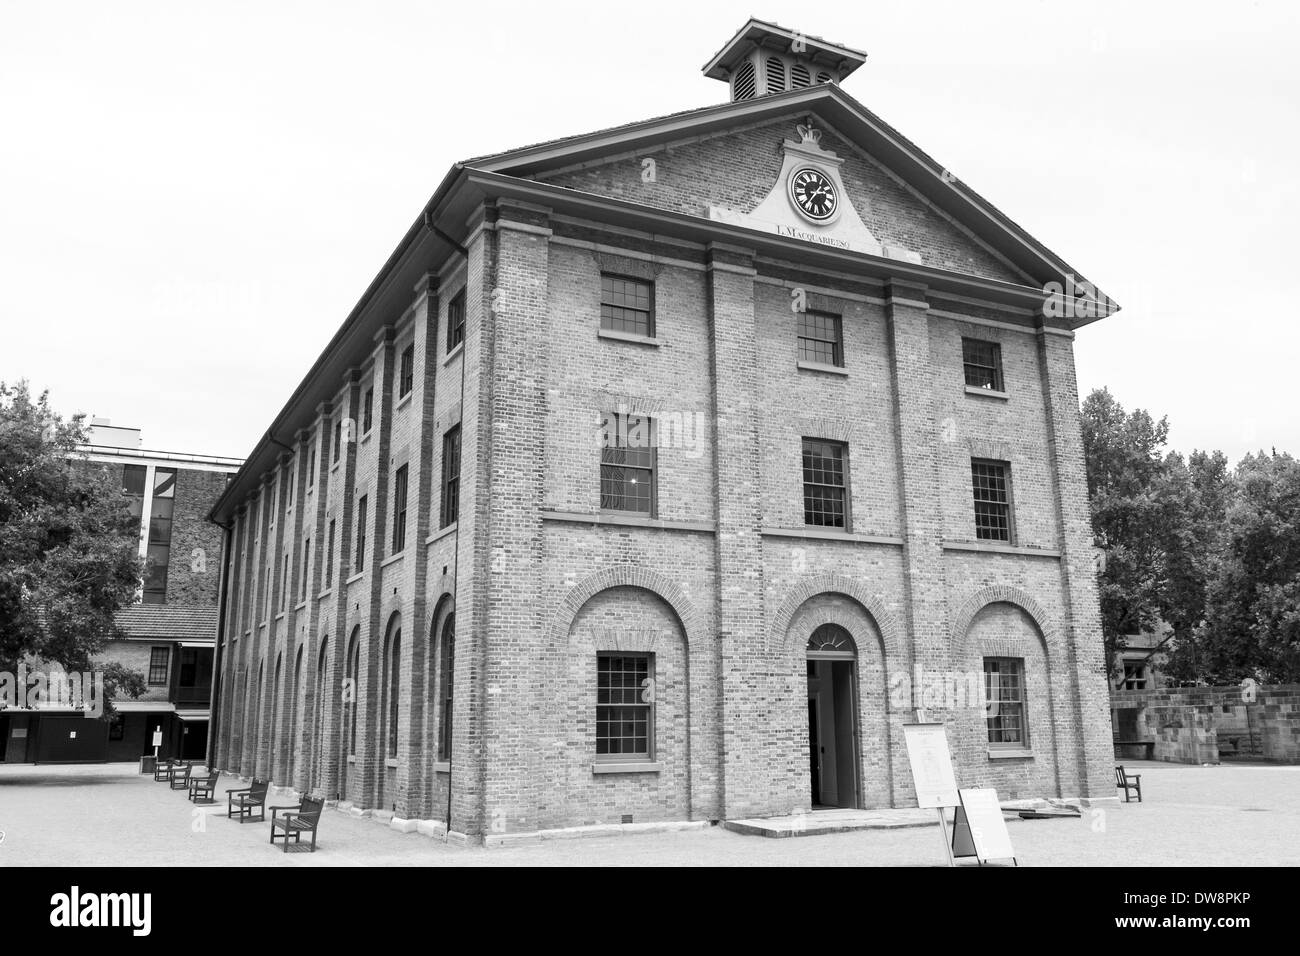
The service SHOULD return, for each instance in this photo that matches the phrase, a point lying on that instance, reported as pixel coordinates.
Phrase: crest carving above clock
(808, 201)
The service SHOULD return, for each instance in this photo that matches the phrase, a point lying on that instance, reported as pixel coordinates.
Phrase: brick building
(664, 472)
(170, 630)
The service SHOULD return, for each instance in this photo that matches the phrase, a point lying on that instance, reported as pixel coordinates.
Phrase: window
(351, 692)
(284, 582)
(360, 563)
(311, 469)
(819, 338)
(627, 305)
(446, 683)
(992, 500)
(1135, 676)
(450, 477)
(1004, 702)
(399, 511)
(338, 440)
(116, 727)
(158, 658)
(306, 569)
(456, 321)
(367, 411)
(624, 697)
(627, 464)
(160, 535)
(825, 484)
(394, 686)
(407, 374)
(983, 364)
(329, 557)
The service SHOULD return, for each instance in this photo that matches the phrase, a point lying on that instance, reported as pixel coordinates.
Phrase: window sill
(441, 533)
(442, 766)
(1011, 755)
(355, 578)
(300, 606)
(352, 758)
(637, 766)
(822, 534)
(334, 466)
(280, 616)
(403, 401)
(392, 559)
(989, 547)
(365, 438)
(822, 367)
(628, 521)
(987, 393)
(632, 337)
(326, 593)
(390, 761)
(460, 347)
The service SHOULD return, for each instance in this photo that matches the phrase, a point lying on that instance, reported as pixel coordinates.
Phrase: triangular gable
(732, 157)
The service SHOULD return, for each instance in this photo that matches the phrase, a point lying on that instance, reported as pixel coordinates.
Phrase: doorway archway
(832, 659)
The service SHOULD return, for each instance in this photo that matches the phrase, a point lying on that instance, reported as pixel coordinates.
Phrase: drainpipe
(214, 702)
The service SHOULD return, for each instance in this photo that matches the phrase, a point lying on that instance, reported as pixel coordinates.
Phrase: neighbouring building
(171, 629)
(664, 473)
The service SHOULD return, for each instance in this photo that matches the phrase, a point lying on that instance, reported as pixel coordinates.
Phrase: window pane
(625, 305)
(819, 338)
(622, 718)
(992, 502)
(983, 364)
(825, 495)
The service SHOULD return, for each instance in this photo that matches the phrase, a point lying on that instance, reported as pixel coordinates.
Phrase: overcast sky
(193, 196)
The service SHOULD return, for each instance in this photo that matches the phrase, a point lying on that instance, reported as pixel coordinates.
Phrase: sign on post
(932, 775)
(979, 829)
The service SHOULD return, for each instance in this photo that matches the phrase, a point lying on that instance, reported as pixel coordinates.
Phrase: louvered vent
(775, 75)
(799, 77)
(823, 77)
(743, 84)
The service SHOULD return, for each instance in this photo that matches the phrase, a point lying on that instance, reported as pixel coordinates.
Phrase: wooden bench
(301, 818)
(163, 770)
(241, 803)
(180, 776)
(1127, 782)
(204, 788)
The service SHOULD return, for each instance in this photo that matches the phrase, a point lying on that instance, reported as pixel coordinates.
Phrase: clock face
(813, 194)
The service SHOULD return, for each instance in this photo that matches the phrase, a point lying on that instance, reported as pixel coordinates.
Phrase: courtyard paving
(110, 815)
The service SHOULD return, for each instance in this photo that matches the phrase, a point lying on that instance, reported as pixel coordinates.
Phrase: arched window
(743, 84)
(799, 77)
(775, 75)
(351, 691)
(275, 709)
(823, 77)
(831, 642)
(446, 683)
(394, 687)
(293, 711)
(318, 721)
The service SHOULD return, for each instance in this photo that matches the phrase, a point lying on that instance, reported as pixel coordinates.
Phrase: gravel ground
(109, 814)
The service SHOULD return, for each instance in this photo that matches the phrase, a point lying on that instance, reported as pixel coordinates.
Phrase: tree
(1131, 499)
(69, 554)
(1251, 624)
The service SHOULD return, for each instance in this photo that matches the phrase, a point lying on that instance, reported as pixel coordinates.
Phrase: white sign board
(988, 829)
(157, 737)
(927, 751)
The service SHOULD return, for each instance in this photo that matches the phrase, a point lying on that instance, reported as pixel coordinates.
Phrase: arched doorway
(832, 718)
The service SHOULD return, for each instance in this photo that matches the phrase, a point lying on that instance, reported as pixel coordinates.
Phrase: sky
(194, 196)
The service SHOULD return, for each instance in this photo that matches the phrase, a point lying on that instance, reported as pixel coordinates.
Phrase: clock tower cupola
(763, 58)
